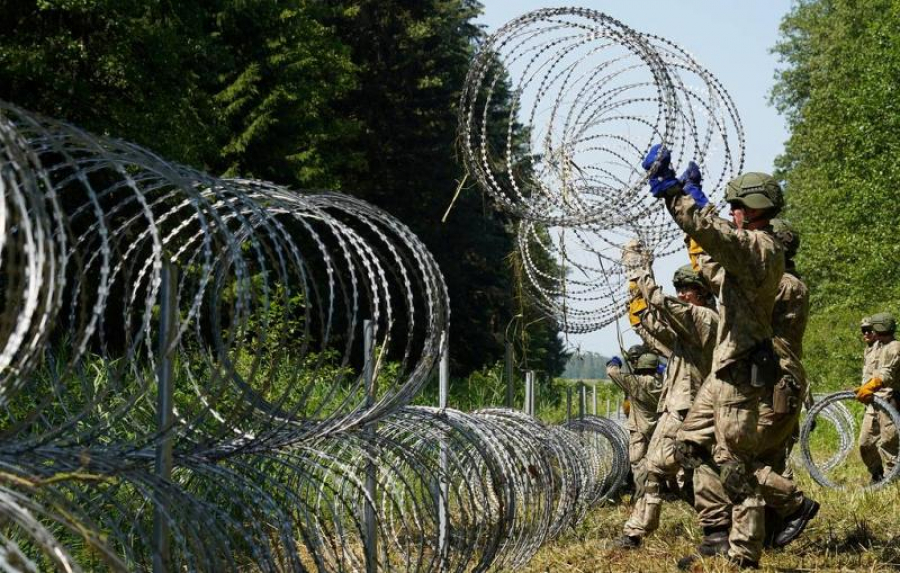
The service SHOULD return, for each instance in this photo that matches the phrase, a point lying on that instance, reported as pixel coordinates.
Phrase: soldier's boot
(687, 489)
(876, 477)
(743, 562)
(715, 541)
(774, 524)
(795, 523)
(628, 542)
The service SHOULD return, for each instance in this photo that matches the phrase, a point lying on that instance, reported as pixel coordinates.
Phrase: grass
(854, 531)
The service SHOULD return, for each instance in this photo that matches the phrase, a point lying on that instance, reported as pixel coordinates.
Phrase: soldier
(751, 263)
(642, 387)
(788, 508)
(878, 438)
(688, 324)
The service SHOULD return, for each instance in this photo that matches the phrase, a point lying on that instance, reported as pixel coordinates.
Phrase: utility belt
(778, 384)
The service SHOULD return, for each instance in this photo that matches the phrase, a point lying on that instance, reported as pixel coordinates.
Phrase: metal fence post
(371, 538)
(568, 403)
(594, 398)
(165, 372)
(607, 407)
(582, 400)
(508, 370)
(529, 393)
(443, 502)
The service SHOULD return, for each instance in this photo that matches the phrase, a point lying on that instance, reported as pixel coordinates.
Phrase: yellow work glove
(866, 392)
(626, 406)
(694, 251)
(636, 305)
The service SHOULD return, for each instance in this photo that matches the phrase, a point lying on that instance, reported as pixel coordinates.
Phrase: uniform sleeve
(655, 333)
(729, 246)
(619, 378)
(678, 316)
(889, 369)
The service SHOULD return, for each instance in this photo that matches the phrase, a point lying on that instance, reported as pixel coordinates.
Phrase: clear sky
(731, 39)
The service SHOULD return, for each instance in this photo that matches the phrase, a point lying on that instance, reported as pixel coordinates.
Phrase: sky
(733, 41)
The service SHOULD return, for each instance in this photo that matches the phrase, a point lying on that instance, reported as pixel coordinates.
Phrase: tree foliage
(354, 95)
(838, 90)
(586, 366)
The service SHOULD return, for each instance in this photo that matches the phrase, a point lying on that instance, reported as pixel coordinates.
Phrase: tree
(838, 91)
(413, 57)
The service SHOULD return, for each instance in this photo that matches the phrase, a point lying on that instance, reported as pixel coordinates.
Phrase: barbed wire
(830, 409)
(559, 108)
(284, 455)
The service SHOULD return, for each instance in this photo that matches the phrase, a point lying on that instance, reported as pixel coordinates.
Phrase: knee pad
(690, 455)
(736, 481)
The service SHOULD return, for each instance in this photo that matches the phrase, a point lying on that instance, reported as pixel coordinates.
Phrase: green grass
(854, 531)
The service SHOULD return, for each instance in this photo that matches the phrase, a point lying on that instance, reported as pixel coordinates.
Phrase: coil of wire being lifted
(591, 96)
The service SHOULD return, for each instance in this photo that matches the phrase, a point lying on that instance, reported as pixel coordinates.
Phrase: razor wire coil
(274, 436)
(831, 409)
(586, 97)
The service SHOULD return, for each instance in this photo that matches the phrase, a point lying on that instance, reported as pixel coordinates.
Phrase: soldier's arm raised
(736, 250)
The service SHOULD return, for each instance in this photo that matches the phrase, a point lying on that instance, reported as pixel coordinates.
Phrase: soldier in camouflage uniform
(750, 263)
(688, 326)
(642, 386)
(779, 417)
(878, 437)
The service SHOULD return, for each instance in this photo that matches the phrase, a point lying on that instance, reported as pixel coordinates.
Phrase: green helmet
(756, 191)
(866, 322)
(647, 361)
(686, 276)
(883, 323)
(788, 236)
(635, 352)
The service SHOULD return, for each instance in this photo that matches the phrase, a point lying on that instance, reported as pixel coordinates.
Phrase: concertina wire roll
(587, 97)
(278, 450)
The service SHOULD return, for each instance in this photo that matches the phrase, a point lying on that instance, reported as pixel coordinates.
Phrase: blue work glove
(662, 177)
(660, 368)
(691, 179)
(615, 361)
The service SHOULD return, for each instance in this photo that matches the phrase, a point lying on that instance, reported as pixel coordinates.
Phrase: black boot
(876, 477)
(795, 523)
(628, 542)
(715, 541)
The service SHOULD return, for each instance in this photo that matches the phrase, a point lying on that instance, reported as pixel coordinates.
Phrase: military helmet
(635, 352)
(883, 323)
(866, 322)
(647, 361)
(787, 235)
(686, 276)
(756, 191)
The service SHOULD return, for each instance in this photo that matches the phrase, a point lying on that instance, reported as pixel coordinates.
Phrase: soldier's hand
(866, 392)
(614, 361)
(657, 163)
(692, 180)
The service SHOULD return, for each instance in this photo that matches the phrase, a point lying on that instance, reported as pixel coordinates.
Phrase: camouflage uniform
(878, 438)
(746, 279)
(691, 333)
(643, 392)
(778, 425)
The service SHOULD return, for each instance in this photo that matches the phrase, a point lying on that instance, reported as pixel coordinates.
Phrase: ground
(854, 531)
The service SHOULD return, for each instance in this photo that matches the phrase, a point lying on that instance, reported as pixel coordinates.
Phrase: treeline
(838, 89)
(358, 96)
(585, 366)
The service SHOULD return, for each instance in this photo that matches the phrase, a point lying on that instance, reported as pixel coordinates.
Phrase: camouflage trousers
(879, 441)
(638, 444)
(661, 466)
(735, 421)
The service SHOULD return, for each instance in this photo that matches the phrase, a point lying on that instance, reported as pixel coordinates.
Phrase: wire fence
(204, 374)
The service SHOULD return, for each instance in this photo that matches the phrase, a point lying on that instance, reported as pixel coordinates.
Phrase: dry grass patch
(854, 531)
